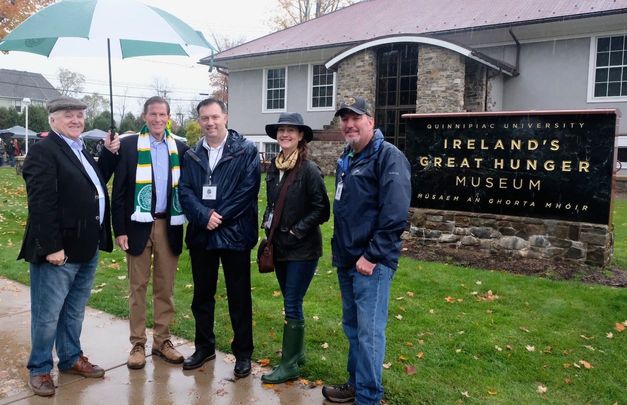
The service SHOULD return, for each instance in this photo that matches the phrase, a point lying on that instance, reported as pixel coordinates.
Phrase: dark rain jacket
(237, 176)
(371, 213)
(306, 207)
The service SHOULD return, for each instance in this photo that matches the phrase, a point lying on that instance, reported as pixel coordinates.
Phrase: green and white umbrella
(116, 28)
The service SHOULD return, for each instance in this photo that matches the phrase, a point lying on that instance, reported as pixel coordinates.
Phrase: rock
(575, 253)
(507, 231)
(432, 234)
(470, 241)
(449, 238)
(512, 243)
(539, 241)
(481, 232)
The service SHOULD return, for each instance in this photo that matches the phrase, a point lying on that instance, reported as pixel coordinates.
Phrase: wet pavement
(105, 342)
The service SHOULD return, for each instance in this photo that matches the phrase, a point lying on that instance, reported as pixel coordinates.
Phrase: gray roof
(370, 19)
(17, 84)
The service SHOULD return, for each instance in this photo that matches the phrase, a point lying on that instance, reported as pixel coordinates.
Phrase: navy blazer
(123, 199)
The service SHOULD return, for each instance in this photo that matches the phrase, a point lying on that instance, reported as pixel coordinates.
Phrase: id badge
(338, 191)
(209, 192)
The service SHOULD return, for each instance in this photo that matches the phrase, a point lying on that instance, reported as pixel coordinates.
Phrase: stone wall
(357, 76)
(325, 148)
(475, 87)
(514, 236)
(441, 77)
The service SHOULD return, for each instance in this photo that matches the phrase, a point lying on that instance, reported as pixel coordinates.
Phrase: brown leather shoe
(137, 357)
(84, 368)
(41, 385)
(168, 353)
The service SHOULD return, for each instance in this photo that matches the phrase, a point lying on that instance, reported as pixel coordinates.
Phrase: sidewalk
(105, 342)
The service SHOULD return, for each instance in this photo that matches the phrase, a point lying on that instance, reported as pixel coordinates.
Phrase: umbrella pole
(112, 128)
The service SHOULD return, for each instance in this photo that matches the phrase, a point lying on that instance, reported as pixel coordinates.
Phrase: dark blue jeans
(365, 302)
(294, 279)
(59, 295)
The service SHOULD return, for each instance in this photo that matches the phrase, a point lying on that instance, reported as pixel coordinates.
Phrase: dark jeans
(294, 279)
(236, 266)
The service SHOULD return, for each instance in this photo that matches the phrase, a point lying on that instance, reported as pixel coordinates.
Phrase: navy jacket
(237, 176)
(372, 212)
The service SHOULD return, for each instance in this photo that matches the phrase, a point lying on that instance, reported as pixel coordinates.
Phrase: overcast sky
(183, 76)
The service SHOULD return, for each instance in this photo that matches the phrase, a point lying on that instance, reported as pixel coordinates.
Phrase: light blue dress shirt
(78, 147)
(160, 168)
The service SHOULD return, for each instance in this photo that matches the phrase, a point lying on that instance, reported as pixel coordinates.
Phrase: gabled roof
(371, 19)
(17, 84)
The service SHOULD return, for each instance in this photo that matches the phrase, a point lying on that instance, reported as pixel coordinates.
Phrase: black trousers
(236, 266)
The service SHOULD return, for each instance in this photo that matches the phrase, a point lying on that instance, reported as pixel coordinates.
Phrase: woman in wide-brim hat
(297, 239)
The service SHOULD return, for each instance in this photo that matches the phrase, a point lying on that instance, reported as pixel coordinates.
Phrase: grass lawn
(454, 334)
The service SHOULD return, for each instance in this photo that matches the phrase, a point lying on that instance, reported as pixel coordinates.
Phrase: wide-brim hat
(291, 119)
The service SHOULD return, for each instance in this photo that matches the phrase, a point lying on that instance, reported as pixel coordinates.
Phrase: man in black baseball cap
(372, 193)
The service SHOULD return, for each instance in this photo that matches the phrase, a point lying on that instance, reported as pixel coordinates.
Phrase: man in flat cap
(68, 223)
(372, 193)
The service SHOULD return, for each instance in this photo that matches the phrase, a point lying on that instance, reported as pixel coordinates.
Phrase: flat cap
(358, 105)
(65, 103)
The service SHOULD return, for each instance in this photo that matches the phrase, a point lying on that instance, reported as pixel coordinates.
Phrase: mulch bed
(555, 270)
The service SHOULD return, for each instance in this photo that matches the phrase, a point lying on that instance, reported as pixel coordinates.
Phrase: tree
(70, 83)
(192, 132)
(130, 123)
(13, 12)
(96, 104)
(102, 121)
(292, 12)
(161, 87)
(219, 78)
(37, 118)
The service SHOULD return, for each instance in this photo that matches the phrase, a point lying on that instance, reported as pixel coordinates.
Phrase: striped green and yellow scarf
(143, 180)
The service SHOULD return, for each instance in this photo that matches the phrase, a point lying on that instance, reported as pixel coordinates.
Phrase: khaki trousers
(158, 254)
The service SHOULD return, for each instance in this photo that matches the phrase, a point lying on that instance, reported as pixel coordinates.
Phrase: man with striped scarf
(148, 225)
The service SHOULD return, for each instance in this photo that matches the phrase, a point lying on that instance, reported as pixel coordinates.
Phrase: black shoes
(197, 359)
(242, 368)
(339, 393)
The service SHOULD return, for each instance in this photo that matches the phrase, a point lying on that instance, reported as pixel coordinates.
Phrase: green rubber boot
(292, 353)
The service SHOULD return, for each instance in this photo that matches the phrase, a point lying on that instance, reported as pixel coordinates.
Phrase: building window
(271, 149)
(397, 78)
(610, 68)
(321, 88)
(275, 89)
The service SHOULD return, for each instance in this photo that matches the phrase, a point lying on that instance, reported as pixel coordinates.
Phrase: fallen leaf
(409, 344)
(567, 365)
(498, 348)
(387, 365)
(492, 391)
(325, 345)
(589, 347)
(458, 350)
(524, 329)
(465, 394)
(509, 347)
(541, 389)
(420, 355)
(316, 318)
(410, 293)
(478, 282)
(609, 335)
(319, 382)
(619, 327)
(576, 365)
(586, 337)
(431, 311)
(121, 277)
(276, 293)
(409, 369)
(400, 298)
(585, 364)
(264, 362)
(399, 317)
(530, 348)
(402, 358)
(189, 286)
(449, 299)
(567, 380)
